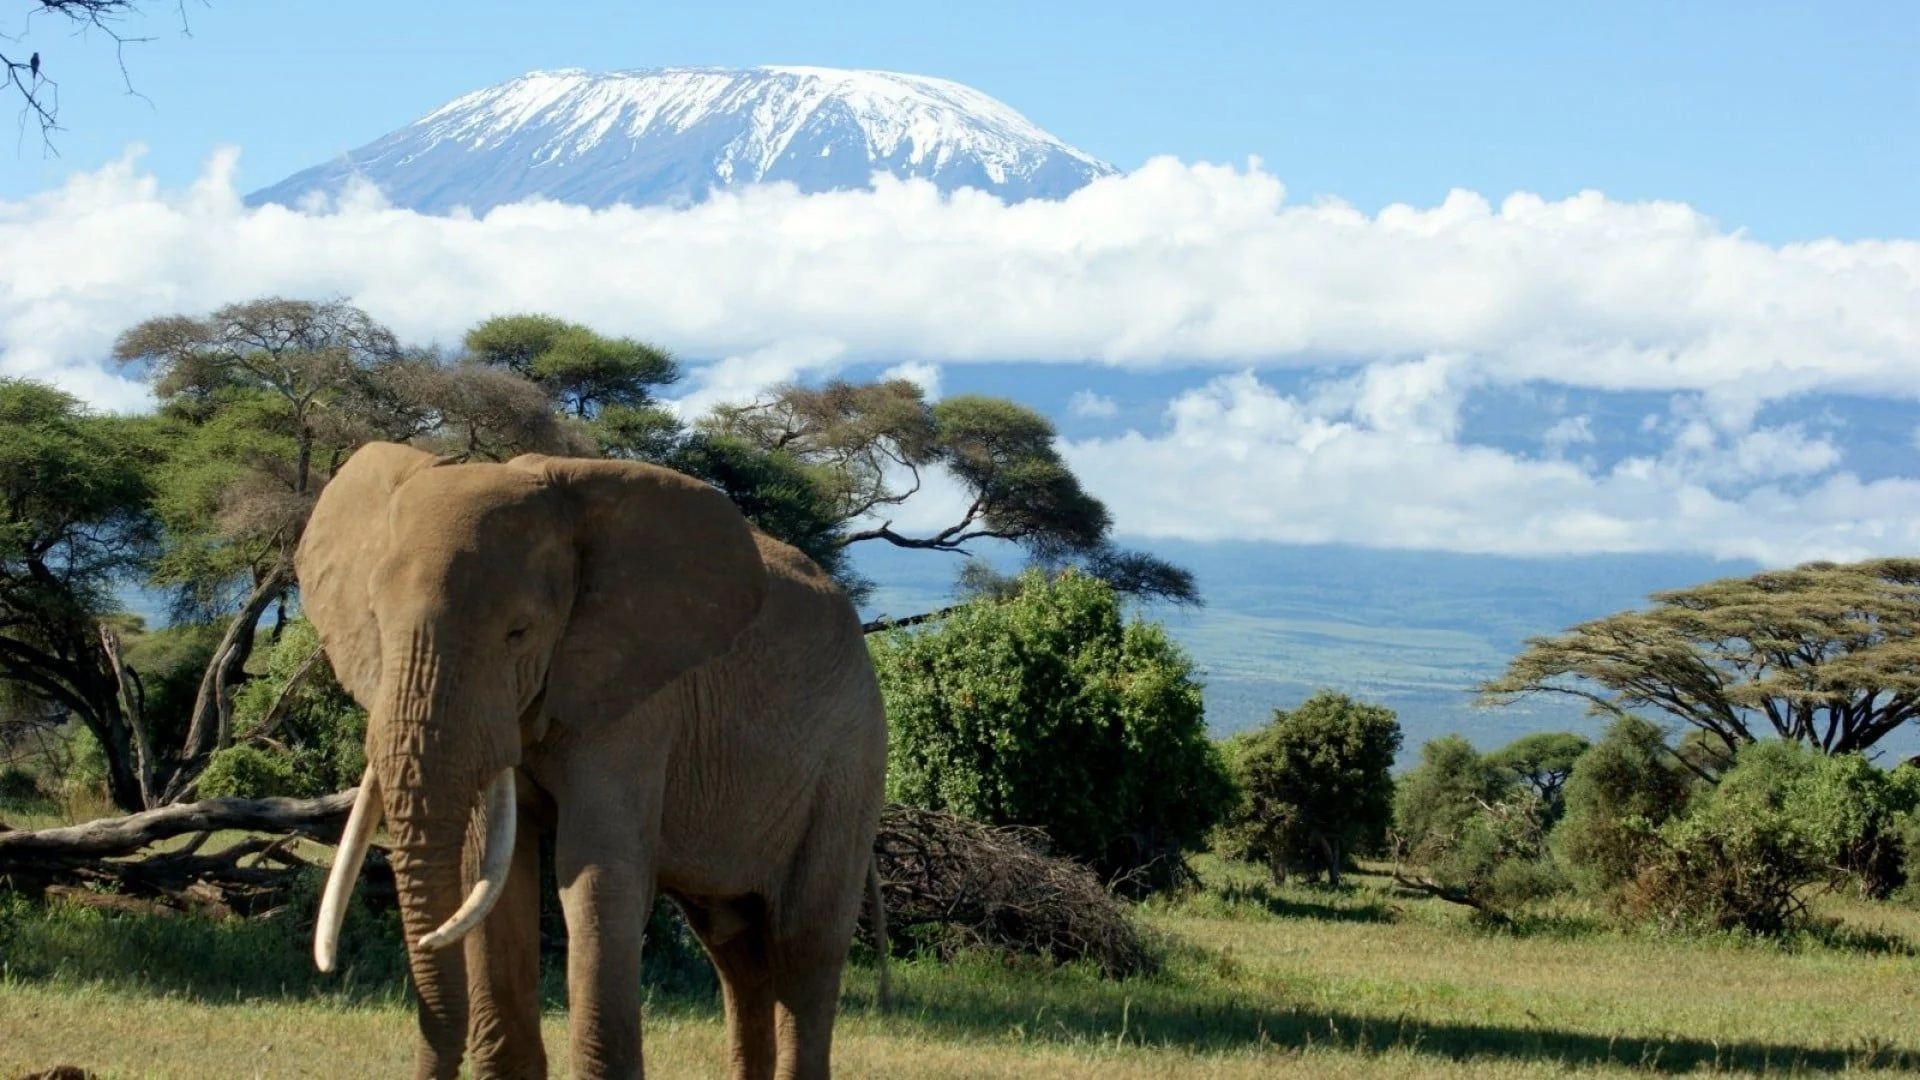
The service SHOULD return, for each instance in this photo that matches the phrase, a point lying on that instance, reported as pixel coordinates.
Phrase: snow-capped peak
(675, 134)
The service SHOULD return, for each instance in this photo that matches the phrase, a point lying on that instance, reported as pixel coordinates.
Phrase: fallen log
(106, 864)
(321, 818)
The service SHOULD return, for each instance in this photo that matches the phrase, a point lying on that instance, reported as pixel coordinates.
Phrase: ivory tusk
(496, 858)
(347, 861)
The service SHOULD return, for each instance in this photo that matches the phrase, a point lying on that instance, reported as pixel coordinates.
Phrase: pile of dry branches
(961, 883)
(105, 863)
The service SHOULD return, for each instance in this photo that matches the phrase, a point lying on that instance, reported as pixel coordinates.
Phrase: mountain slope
(675, 135)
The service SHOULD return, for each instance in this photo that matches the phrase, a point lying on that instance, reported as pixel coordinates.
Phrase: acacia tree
(585, 374)
(1824, 654)
(876, 442)
(74, 522)
(1542, 761)
(257, 389)
(263, 400)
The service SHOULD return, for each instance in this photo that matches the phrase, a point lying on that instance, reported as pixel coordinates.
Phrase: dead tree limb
(322, 819)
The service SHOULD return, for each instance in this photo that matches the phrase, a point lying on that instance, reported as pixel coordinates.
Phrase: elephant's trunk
(430, 758)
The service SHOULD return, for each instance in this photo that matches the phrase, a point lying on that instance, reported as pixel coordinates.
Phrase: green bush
(1315, 785)
(1498, 859)
(321, 726)
(1050, 709)
(250, 772)
(1783, 819)
(1620, 793)
(1436, 800)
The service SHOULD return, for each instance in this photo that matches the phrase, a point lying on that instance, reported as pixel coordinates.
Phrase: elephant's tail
(877, 908)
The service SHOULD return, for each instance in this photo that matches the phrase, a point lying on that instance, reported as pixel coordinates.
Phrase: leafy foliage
(1824, 654)
(1621, 792)
(1783, 819)
(1436, 799)
(74, 520)
(1314, 783)
(1051, 710)
(874, 443)
(1542, 761)
(582, 372)
(1495, 859)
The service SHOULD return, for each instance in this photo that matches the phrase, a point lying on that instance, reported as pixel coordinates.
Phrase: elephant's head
(464, 606)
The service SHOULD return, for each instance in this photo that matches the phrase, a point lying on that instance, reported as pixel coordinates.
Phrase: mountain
(675, 135)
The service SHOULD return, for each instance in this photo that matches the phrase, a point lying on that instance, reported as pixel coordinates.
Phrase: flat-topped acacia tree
(1825, 654)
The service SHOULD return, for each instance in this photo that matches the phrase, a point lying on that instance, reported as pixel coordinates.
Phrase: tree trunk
(1331, 848)
(212, 725)
(133, 707)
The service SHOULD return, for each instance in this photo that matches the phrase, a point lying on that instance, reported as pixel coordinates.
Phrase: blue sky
(1792, 121)
(1695, 331)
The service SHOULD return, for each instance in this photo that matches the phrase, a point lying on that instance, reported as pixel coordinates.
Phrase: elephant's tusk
(346, 869)
(496, 858)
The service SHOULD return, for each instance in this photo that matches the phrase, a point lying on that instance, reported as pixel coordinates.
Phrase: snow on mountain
(674, 135)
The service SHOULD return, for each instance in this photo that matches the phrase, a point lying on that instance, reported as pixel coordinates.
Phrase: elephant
(608, 650)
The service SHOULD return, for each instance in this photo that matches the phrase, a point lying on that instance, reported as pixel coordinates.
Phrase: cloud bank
(1172, 265)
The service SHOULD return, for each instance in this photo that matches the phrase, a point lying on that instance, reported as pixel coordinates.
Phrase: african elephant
(607, 649)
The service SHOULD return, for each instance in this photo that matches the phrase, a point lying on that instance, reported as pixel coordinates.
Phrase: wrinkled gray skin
(687, 703)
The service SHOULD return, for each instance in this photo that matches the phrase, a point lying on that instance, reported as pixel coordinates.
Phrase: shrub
(1498, 859)
(1435, 800)
(1051, 710)
(321, 726)
(250, 772)
(1620, 793)
(1783, 818)
(1314, 785)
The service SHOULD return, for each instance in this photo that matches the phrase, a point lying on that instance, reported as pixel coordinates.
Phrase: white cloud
(1171, 264)
(1093, 406)
(1239, 460)
(1566, 432)
(925, 376)
(1410, 309)
(740, 378)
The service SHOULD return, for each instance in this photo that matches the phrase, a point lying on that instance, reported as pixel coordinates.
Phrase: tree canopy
(1315, 784)
(1542, 761)
(1824, 654)
(75, 522)
(874, 445)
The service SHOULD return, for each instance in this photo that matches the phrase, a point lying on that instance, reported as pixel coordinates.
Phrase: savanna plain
(1257, 980)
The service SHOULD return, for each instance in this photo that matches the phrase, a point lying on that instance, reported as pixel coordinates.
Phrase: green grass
(1259, 981)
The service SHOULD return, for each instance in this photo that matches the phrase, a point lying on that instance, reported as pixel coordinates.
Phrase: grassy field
(1259, 982)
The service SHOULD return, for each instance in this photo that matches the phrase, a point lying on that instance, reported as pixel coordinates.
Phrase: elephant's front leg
(606, 887)
(503, 965)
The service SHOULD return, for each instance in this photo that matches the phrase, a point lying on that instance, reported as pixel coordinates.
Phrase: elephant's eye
(516, 635)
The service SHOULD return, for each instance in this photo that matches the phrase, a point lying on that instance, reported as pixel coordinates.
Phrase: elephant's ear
(346, 538)
(668, 577)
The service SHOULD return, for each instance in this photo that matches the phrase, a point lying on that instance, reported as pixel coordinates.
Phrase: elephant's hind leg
(735, 936)
(503, 959)
(810, 938)
(806, 994)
